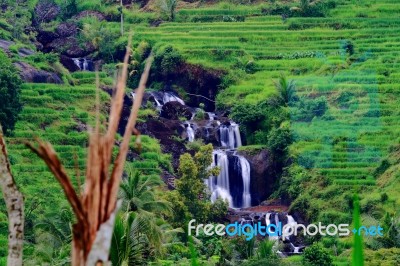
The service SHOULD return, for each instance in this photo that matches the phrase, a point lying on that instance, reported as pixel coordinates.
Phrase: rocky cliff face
(177, 124)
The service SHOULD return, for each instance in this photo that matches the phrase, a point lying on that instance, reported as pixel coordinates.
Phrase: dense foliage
(10, 86)
(313, 82)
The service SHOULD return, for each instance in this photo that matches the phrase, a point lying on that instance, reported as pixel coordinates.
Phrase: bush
(316, 255)
(10, 84)
(307, 109)
(166, 61)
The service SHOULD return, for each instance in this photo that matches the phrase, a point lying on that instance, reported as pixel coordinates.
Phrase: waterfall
(157, 102)
(230, 136)
(190, 132)
(233, 181)
(211, 116)
(77, 63)
(219, 185)
(85, 64)
(245, 167)
(169, 97)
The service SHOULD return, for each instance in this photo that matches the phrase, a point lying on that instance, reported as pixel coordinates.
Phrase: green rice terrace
(265, 111)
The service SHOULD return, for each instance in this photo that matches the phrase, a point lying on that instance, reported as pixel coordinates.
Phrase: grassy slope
(54, 113)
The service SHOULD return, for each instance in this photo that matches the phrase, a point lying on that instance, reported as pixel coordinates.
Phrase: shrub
(316, 255)
(166, 61)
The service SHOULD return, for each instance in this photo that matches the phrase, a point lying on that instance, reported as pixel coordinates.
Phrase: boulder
(30, 74)
(45, 11)
(175, 110)
(70, 47)
(90, 13)
(67, 29)
(46, 37)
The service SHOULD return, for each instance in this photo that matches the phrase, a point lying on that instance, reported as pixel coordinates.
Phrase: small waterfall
(211, 116)
(219, 186)
(85, 64)
(233, 182)
(245, 167)
(77, 63)
(169, 97)
(230, 136)
(190, 132)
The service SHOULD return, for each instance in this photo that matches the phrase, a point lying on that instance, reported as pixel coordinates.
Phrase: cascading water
(219, 185)
(230, 136)
(190, 133)
(245, 167)
(233, 182)
(169, 97)
(275, 217)
(77, 63)
(211, 116)
(83, 64)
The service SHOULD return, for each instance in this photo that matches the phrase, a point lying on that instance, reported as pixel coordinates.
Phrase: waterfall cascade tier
(84, 64)
(291, 244)
(161, 98)
(233, 182)
(230, 136)
(190, 132)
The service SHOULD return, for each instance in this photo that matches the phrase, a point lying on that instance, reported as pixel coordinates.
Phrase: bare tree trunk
(15, 208)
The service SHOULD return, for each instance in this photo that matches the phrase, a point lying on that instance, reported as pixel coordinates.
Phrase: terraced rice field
(362, 90)
(58, 114)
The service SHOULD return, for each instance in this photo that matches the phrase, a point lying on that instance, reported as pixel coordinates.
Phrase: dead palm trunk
(95, 207)
(15, 208)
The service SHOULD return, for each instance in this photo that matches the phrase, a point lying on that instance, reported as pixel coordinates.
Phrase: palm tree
(141, 231)
(138, 194)
(286, 88)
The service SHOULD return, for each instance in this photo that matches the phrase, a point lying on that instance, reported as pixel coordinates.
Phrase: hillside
(299, 99)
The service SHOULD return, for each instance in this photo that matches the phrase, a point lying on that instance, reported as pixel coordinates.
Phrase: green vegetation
(10, 85)
(314, 82)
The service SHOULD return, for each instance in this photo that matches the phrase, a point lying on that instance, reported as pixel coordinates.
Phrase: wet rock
(175, 111)
(68, 63)
(30, 74)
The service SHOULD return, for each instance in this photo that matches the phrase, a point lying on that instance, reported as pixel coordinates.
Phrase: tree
(190, 185)
(168, 7)
(286, 88)
(10, 84)
(138, 193)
